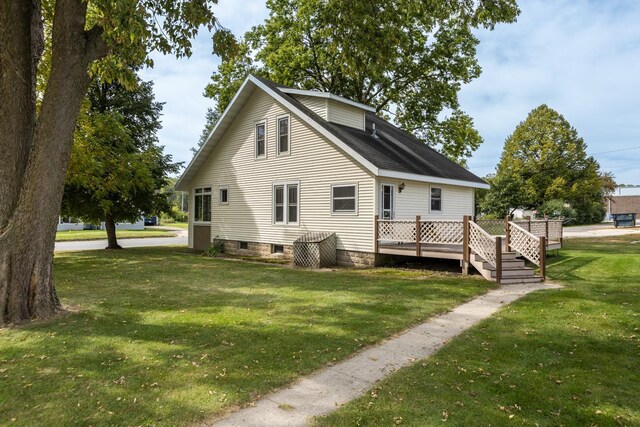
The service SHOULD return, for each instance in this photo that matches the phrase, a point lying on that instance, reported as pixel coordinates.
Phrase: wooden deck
(432, 250)
(427, 250)
(490, 246)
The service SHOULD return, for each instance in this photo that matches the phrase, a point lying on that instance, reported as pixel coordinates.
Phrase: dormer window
(261, 139)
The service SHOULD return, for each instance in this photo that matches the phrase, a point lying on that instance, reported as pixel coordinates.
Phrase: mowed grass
(568, 357)
(161, 336)
(182, 225)
(72, 235)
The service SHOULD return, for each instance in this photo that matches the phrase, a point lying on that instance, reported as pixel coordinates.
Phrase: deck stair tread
(514, 269)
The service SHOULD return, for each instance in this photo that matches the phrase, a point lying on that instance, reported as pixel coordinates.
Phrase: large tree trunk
(35, 151)
(110, 225)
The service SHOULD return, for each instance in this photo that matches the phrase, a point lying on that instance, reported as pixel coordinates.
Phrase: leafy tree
(543, 160)
(408, 58)
(76, 40)
(117, 169)
(212, 118)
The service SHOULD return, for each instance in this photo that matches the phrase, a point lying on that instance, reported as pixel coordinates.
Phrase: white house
(283, 162)
(68, 224)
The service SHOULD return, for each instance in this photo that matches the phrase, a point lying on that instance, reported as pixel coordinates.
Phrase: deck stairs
(514, 270)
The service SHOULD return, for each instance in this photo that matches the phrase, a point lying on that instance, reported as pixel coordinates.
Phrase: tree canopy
(117, 169)
(407, 58)
(211, 118)
(544, 160)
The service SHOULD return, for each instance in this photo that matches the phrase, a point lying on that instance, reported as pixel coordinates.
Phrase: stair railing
(528, 245)
(486, 246)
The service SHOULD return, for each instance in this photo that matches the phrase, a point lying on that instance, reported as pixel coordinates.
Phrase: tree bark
(110, 225)
(35, 151)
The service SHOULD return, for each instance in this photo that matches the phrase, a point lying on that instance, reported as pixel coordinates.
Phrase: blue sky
(580, 57)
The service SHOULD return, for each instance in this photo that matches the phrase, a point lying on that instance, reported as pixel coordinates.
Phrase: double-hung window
(285, 203)
(344, 199)
(202, 205)
(283, 135)
(261, 140)
(436, 199)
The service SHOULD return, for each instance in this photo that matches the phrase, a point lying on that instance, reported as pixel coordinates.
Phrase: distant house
(623, 205)
(67, 224)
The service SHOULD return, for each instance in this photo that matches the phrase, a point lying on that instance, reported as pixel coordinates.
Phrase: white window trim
(285, 201)
(349, 213)
(255, 140)
(431, 211)
(203, 193)
(393, 200)
(220, 188)
(288, 152)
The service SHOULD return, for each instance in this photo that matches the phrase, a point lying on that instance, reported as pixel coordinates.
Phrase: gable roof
(394, 153)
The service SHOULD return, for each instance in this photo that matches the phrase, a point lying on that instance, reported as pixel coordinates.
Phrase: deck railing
(551, 229)
(487, 246)
(420, 231)
(527, 244)
(527, 237)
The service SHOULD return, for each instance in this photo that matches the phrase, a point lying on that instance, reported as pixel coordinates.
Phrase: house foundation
(267, 250)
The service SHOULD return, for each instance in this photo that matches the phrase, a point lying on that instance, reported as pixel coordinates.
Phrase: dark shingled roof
(393, 149)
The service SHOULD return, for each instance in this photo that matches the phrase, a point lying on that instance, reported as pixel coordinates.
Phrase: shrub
(215, 248)
(557, 209)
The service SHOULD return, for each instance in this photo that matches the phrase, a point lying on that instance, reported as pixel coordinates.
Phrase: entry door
(387, 199)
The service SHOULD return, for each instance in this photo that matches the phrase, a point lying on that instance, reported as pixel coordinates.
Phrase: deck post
(465, 245)
(543, 257)
(498, 259)
(529, 226)
(507, 229)
(418, 235)
(546, 229)
(375, 234)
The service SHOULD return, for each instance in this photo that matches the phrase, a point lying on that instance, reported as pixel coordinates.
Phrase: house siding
(345, 114)
(414, 200)
(316, 104)
(313, 162)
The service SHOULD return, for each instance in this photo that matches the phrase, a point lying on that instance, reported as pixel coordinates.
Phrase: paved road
(598, 230)
(88, 245)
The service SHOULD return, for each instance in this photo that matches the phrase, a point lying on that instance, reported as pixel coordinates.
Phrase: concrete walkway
(331, 387)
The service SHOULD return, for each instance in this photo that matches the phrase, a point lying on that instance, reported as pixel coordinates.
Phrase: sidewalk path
(331, 387)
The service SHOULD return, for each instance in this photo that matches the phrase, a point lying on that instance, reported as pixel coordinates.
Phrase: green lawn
(183, 225)
(163, 337)
(568, 357)
(65, 236)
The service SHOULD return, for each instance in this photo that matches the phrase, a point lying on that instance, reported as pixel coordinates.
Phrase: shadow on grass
(558, 357)
(165, 337)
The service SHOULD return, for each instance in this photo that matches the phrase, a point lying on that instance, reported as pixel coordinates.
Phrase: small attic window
(261, 139)
(283, 135)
